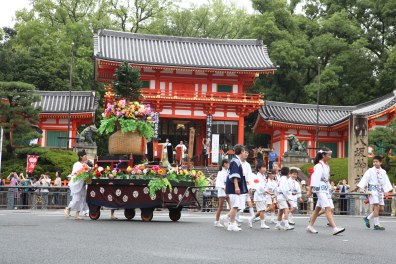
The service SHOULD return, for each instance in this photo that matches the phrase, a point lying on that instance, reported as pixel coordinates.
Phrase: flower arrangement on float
(128, 117)
(83, 174)
(159, 178)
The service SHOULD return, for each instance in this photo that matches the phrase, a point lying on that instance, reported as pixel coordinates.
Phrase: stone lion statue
(295, 144)
(86, 135)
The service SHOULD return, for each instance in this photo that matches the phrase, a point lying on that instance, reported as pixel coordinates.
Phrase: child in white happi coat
(249, 175)
(260, 196)
(320, 185)
(220, 186)
(271, 193)
(276, 169)
(284, 197)
(377, 182)
(296, 194)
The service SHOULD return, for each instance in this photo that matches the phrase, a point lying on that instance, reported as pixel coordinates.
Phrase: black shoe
(367, 222)
(378, 227)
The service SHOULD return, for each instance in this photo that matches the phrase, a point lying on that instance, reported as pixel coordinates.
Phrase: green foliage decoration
(159, 184)
(127, 82)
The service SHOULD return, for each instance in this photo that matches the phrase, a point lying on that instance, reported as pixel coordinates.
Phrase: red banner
(31, 163)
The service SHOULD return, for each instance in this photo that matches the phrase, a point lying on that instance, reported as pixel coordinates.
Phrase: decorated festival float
(143, 186)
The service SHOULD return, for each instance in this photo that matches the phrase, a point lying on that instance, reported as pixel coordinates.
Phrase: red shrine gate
(189, 81)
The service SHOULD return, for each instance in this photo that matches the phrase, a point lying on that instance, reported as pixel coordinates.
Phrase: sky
(8, 8)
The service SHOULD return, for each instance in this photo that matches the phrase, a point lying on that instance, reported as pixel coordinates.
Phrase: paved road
(47, 237)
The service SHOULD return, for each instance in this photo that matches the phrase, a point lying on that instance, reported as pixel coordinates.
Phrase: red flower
(311, 170)
(98, 174)
(256, 181)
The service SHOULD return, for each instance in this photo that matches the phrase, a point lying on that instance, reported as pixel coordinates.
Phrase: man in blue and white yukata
(236, 186)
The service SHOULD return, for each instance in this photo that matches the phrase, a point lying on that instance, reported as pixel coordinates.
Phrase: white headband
(326, 152)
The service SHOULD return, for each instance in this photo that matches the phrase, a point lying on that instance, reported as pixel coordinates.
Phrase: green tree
(353, 40)
(135, 15)
(127, 82)
(41, 45)
(17, 114)
(383, 138)
(215, 19)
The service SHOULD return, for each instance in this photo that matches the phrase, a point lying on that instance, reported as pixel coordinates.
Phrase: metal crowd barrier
(344, 203)
(30, 197)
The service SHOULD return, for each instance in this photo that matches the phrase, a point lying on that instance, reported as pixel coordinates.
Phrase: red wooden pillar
(241, 129)
(282, 145)
(72, 142)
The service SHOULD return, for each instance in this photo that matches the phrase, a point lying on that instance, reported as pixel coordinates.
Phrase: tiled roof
(329, 115)
(377, 105)
(58, 101)
(233, 54)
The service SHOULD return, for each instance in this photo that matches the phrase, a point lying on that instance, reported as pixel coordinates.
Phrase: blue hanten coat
(235, 171)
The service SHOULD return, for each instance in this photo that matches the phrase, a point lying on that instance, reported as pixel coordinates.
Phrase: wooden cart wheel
(146, 214)
(174, 214)
(94, 213)
(129, 213)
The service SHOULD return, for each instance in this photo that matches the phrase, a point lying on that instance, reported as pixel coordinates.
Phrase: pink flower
(156, 168)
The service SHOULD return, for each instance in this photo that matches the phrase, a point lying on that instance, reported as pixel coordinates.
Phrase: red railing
(193, 95)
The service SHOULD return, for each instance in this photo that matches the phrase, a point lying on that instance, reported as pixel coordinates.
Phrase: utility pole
(317, 108)
(70, 97)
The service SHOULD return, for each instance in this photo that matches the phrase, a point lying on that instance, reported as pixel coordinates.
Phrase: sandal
(78, 218)
(113, 218)
(67, 212)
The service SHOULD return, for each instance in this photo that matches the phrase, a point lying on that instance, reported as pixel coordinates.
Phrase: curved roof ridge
(379, 99)
(180, 38)
(329, 115)
(311, 105)
(185, 52)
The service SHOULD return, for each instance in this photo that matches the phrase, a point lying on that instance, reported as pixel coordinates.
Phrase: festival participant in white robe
(320, 185)
(259, 185)
(247, 170)
(296, 194)
(77, 188)
(220, 186)
(271, 193)
(377, 183)
(276, 169)
(183, 150)
(284, 196)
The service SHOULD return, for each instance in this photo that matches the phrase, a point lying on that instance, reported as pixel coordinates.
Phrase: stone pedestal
(91, 150)
(295, 159)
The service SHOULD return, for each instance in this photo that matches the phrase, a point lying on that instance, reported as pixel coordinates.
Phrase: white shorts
(323, 200)
(242, 201)
(293, 203)
(377, 198)
(234, 200)
(261, 206)
(282, 203)
(331, 203)
(221, 192)
(268, 200)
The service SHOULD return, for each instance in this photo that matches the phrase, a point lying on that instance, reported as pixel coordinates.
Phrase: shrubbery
(50, 160)
(339, 167)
